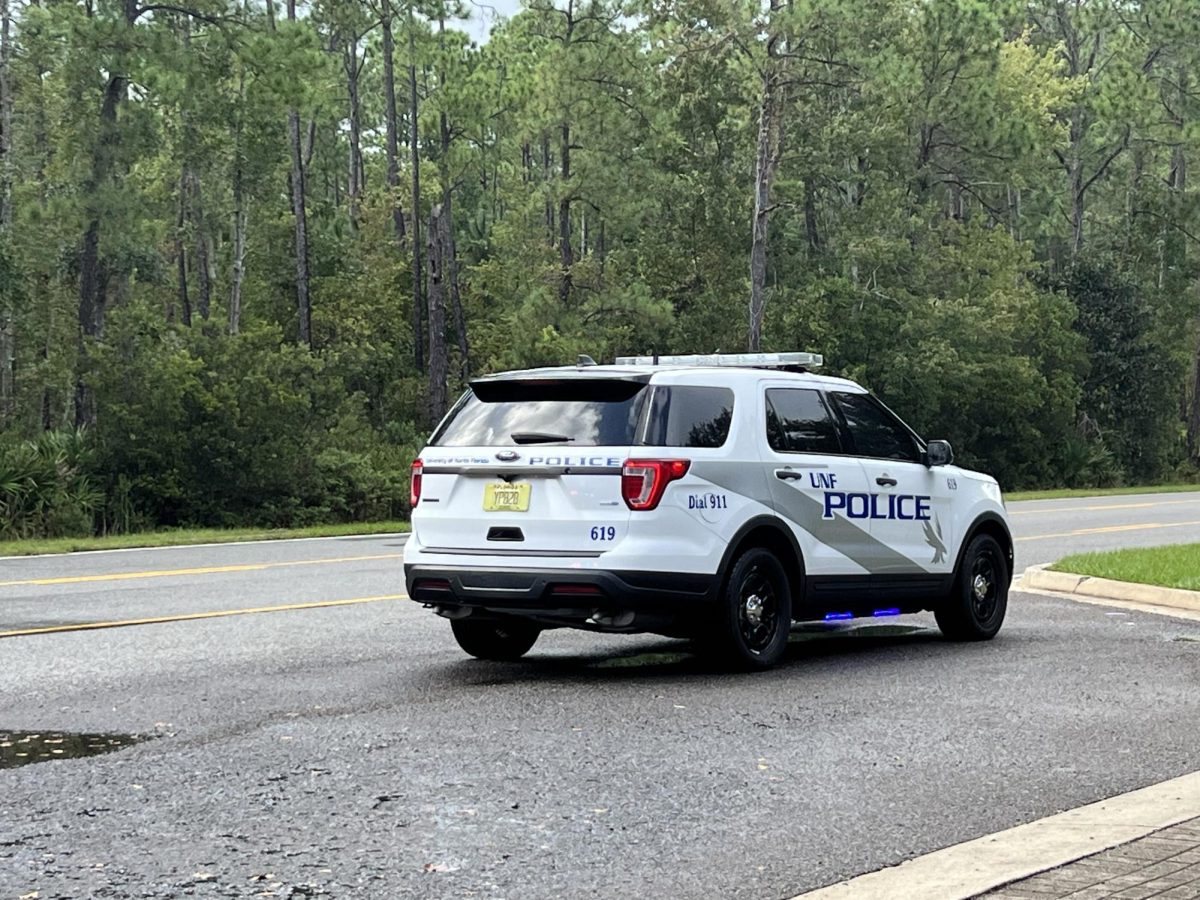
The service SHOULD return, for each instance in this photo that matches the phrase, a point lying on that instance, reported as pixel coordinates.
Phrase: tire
(754, 614)
(975, 609)
(492, 639)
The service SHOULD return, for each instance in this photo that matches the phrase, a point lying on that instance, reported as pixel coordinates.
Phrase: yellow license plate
(506, 497)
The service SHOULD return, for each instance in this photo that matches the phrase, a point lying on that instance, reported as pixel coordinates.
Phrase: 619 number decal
(604, 533)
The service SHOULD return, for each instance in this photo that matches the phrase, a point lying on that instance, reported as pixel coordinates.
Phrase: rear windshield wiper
(538, 437)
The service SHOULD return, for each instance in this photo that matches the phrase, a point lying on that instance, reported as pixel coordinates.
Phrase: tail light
(643, 481)
(414, 494)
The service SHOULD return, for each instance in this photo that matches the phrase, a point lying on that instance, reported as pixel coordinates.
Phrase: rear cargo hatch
(529, 467)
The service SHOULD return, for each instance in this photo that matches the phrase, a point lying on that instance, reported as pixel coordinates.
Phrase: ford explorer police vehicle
(715, 497)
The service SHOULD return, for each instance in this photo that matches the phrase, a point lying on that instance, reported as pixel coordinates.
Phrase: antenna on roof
(585, 360)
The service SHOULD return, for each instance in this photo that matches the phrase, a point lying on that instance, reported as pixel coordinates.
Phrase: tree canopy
(251, 251)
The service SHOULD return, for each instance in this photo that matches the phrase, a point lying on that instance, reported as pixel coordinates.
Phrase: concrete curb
(1041, 578)
(975, 867)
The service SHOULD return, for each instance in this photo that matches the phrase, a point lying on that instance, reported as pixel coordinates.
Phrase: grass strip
(1176, 566)
(1064, 493)
(186, 536)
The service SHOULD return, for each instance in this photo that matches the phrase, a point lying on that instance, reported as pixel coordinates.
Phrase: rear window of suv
(587, 412)
(686, 416)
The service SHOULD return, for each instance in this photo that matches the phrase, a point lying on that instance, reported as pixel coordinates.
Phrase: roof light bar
(751, 360)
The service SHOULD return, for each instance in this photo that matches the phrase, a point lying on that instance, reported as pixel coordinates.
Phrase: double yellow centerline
(199, 570)
(188, 617)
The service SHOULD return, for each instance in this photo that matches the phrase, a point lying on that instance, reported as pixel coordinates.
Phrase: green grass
(1063, 493)
(192, 536)
(1175, 567)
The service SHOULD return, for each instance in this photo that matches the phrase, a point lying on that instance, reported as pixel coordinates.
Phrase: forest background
(251, 249)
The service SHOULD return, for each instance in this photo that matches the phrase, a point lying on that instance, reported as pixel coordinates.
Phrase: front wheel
(500, 641)
(977, 603)
(754, 614)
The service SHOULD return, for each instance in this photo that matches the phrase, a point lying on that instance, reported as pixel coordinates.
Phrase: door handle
(885, 481)
(788, 475)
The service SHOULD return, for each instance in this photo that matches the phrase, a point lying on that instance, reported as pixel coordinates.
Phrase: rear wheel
(754, 614)
(977, 603)
(502, 641)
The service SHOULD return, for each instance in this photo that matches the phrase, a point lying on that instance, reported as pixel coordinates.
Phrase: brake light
(414, 495)
(643, 481)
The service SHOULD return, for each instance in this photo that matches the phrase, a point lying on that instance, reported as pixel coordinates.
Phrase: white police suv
(716, 497)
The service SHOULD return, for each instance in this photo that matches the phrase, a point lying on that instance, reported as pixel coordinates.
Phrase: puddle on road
(21, 748)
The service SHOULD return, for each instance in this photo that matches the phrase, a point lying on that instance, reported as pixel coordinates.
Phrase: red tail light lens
(643, 481)
(414, 494)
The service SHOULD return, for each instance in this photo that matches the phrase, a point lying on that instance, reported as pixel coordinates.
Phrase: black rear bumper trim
(650, 595)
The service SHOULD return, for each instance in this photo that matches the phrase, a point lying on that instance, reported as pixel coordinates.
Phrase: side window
(684, 416)
(875, 431)
(799, 422)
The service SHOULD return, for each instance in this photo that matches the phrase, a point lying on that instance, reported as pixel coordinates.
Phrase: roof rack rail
(794, 360)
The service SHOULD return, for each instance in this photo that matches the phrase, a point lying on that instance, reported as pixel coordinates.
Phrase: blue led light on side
(891, 611)
(829, 617)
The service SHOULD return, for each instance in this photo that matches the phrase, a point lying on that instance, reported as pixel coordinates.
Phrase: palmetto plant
(43, 489)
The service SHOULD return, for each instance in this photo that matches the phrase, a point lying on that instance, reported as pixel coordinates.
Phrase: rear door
(531, 467)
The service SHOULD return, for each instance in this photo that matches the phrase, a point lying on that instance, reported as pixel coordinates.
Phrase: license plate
(506, 497)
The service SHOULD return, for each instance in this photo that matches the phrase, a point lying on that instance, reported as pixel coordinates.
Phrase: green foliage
(45, 490)
(204, 429)
(1123, 404)
(597, 160)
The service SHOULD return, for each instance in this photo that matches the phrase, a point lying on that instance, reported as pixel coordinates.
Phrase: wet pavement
(353, 751)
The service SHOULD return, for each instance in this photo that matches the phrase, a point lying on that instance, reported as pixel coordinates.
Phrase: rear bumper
(601, 600)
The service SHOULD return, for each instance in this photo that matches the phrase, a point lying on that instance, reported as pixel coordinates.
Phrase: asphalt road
(351, 750)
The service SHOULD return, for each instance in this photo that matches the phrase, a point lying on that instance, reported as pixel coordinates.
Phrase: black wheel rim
(984, 586)
(758, 610)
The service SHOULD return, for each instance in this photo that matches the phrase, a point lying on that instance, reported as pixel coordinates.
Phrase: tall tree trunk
(601, 249)
(766, 165)
(300, 216)
(438, 363)
(564, 215)
(811, 228)
(237, 273)
(392, 123)
(238, 268)
(448, 250)
(181, 266)
(92, 276)
(450, 276)
(205, 264)
(7, 311)
(414, 147)
(6, 117)
(354, 168)
(546, 180)
(1076, 183)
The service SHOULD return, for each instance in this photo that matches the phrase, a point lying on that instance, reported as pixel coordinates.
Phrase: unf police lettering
(908, 507)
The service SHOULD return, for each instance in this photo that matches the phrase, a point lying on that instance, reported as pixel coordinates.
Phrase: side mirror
(938, 453)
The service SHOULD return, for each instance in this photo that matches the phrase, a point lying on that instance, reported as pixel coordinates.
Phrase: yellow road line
(1147, 526)
(187, 617)
(201, 570)
(1064, 509)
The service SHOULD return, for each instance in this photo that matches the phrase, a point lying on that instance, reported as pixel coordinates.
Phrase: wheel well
(1000, 533)
(769, 538)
